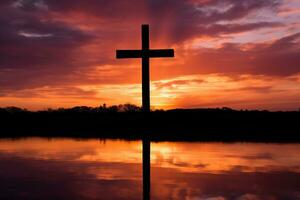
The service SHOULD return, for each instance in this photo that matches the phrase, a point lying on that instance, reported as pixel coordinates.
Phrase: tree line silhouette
(127, 121)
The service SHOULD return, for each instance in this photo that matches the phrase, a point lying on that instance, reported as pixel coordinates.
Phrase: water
(55, 169)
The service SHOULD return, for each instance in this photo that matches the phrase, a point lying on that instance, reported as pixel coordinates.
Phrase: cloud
(32, 50)
(249, 197)
(30, 5)
(280, 58)
(172, 84)
(51, 92)
(180, 19)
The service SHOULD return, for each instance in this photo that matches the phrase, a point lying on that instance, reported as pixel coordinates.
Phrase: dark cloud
(53, 92)
(258, 89)
(217, 29)
(29, 5)
(35, 50)
(188, 20)
(183, 19)
(280, 58)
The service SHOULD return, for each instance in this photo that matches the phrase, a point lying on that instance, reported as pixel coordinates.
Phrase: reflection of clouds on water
(93, 169)
(69, 149)
(27, 178)
(277, 185)
(222, 157)
(187, 157)
(258, 156)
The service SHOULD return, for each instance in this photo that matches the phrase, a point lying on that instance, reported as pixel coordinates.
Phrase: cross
(145, 53)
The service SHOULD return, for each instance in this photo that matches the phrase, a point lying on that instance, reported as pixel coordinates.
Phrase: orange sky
(240, 54)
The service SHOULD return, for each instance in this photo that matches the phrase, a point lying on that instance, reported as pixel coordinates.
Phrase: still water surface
(55, 169)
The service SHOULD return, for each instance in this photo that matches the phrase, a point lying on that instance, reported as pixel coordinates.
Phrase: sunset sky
(243, 54)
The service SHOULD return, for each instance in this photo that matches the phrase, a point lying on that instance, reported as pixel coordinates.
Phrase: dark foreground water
(57, 169)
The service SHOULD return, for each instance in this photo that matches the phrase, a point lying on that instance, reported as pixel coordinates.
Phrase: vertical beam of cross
(145, 53)
(145, 69)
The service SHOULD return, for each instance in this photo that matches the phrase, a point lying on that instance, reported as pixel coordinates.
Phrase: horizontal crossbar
(157, 53)
(152, 53)
(129, 53)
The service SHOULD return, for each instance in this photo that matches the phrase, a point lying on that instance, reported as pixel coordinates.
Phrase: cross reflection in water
(146, 168)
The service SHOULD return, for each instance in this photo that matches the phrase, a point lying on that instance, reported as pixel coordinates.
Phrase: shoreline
(173, 125)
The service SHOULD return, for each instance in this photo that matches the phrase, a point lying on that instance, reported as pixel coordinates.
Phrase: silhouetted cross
(145, 53)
